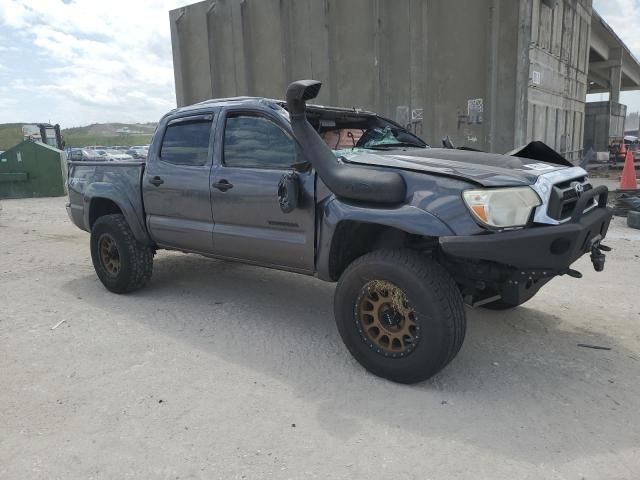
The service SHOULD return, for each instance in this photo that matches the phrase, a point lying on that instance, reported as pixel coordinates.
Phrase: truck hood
(485, 169)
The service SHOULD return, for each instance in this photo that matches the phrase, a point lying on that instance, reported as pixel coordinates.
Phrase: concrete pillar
(615, 74)
(522, 72)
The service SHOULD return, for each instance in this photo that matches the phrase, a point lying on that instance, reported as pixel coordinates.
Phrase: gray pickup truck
(409, 232)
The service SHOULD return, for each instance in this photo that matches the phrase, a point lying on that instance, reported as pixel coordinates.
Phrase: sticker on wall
(475, 110)
(536, 77)
(19, 156)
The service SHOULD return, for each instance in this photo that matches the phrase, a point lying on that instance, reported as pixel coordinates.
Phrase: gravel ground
(221, 370)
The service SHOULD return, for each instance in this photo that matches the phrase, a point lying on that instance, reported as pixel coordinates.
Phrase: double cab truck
(410, 233)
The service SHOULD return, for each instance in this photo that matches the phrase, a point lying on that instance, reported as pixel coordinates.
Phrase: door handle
(223, 185)
(157, 181)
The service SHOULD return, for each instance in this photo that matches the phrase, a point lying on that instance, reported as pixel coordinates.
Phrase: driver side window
(252, 141)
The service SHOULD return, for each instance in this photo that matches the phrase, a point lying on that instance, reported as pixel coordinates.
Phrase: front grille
(564, 198)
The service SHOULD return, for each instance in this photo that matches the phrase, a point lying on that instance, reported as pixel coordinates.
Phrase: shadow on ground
(518, 381)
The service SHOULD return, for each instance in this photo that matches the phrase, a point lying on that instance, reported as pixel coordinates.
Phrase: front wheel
(120, 261)
(400, 315)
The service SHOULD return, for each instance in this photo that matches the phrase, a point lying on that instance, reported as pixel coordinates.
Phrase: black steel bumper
(552, 247)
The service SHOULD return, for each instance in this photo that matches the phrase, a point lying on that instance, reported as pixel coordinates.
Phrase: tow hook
(573, 273)
(597, 257)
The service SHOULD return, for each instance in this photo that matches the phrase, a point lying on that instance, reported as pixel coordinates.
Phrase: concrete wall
(370, 57)
(559, 59)
(463, 68)
(472, 73)
(603, 121)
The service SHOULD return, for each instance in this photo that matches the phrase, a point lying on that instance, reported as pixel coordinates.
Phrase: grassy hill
(107, 134)
(95, 134)
(10, 135)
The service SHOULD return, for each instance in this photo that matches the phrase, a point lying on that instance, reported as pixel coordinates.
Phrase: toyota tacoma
(410, 233)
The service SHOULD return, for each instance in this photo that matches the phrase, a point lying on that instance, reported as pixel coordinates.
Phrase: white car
(118, 156)
(138, 153)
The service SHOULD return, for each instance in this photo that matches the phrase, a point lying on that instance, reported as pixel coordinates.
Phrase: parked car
(118, 156)
(409, 233)
(138, 153)
(83, 154)
(103, 153)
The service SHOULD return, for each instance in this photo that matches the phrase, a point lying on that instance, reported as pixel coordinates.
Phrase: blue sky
(77, 62)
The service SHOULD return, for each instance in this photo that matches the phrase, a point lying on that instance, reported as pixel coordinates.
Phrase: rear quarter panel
(118, 182)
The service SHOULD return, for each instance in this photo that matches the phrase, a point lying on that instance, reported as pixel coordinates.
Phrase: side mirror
(289, 192)
(301, 167)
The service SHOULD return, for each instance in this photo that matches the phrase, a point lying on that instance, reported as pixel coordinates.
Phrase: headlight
(502, 207)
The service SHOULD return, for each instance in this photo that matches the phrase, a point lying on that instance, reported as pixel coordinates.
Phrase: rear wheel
(400, 315)
(120, 261)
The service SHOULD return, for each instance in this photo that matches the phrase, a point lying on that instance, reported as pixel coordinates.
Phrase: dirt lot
(220, 370)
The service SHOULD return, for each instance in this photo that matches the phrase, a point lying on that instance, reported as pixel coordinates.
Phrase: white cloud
(13, 13)
(111, 59)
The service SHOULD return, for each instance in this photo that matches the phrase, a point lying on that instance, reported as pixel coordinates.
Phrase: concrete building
(491, 74)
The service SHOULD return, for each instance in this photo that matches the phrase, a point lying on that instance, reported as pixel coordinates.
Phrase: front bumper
(552, 247)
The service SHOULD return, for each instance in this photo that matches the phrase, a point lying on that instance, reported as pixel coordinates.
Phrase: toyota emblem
(579, 188)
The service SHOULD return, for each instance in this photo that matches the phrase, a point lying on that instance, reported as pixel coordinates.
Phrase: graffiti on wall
(474, 114)
(411, 119)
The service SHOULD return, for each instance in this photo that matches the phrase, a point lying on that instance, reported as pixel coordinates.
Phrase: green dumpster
(31, 169)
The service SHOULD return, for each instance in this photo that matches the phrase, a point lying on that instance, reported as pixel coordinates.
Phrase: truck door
(254, 150)
(176, 185)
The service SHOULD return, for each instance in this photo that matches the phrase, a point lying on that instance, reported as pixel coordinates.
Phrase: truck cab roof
(268, 102)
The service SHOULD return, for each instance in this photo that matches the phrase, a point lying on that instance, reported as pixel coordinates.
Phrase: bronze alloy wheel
(386, 320)
(109, 255)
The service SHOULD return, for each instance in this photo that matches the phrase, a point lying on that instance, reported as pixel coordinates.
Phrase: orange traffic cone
(623, 149)
(628, 179)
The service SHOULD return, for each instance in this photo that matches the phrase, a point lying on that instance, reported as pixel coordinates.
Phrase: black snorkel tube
(350, 182)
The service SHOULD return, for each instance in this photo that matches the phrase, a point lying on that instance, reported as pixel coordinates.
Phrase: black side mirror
(301, 166)
(289, 192)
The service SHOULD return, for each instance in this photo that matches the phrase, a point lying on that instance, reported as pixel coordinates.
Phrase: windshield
(389, 137)
(343, 130)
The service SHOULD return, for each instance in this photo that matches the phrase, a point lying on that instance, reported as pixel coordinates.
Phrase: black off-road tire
(135, 261)
(434, 298)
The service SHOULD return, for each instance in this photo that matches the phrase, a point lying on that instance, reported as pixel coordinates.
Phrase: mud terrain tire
(436, 313)
(120, 261)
